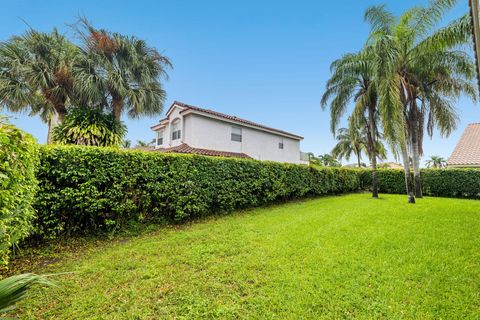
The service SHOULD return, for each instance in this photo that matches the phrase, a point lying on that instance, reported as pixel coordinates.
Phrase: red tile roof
(467, 151)
(188, 107)
(185, 148)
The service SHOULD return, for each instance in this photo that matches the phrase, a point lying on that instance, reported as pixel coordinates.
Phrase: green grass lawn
(336, 257)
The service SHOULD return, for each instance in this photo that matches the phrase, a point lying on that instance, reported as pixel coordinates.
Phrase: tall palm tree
(36, 74)
(120, 72)
(353, 79)
(436, 162)
(420, 74)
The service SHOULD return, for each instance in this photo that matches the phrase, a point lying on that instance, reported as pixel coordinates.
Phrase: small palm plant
(436, 162)
(90, 127)
(14, 289)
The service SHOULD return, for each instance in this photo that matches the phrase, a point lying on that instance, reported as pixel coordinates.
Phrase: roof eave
(240, 123)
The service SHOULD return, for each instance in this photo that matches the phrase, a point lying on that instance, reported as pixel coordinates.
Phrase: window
(160, 138)
(176, 131)
(280, 143)
(237, 134)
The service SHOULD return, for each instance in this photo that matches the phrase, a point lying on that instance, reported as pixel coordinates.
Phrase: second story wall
(207, 133)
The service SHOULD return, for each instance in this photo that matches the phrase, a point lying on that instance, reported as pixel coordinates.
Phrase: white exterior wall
(216, 135)
(200, 131)
(167, 130)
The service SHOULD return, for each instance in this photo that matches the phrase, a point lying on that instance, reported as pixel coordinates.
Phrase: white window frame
(176, 130)
(236, 134)
(281, 144)
(160, 138)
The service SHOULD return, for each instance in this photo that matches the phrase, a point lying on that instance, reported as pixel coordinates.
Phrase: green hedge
(18, 161)
(90, 189)
(451, 183)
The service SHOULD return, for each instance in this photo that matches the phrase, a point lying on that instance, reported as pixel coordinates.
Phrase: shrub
(455, 183)
(90, 189)
(18, 161)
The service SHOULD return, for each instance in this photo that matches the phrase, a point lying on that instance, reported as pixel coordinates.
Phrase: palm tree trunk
(117, 106)
(408, 176)
(57, 118)
(49, 134)
(415, 153)
(358, 159)
(373, 149)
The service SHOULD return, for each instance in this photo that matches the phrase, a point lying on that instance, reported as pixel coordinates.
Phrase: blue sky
(266, 61)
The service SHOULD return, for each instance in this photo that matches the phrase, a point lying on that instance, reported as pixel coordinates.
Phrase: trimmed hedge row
(450, 183)
(18, 161)
(90, 189)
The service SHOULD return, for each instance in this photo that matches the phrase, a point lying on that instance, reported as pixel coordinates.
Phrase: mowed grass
(336, 257)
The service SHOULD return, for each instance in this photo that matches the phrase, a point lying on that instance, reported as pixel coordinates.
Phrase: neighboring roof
(467, 151)
(475, 18)
(185, 148)
(390, 165)
(216, 114)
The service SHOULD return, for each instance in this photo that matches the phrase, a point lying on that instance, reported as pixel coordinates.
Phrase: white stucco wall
(167, 130)
(208, 133)
(200, 131)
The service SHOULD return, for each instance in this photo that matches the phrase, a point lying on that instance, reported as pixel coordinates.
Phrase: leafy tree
(121, 73)
(420, 74)
(36, 74)
(89, 127)
(325, 160)
(436, 162)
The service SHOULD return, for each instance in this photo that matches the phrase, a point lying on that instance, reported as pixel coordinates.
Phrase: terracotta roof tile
(467, 151)
(185, 148)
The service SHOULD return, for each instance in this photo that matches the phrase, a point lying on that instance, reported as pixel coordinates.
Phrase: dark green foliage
(89, 189)
(18, 160)
(453, 183)
(90, 127)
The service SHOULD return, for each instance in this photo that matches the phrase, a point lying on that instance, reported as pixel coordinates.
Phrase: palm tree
(144, 144)
(328, 160)
(436, 162)
(120, 72)
(126, 144)
(89, 127)
(353, 78)
(350, 140)
(36, 74)
(420, 75)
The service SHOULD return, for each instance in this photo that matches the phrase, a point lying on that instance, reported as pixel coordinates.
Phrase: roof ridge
(235, 118)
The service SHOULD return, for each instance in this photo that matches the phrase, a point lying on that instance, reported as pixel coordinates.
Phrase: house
(190, 129)
(467, 151)
(390, 165)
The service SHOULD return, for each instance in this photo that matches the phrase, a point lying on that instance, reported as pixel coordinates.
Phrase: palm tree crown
(120, 72)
